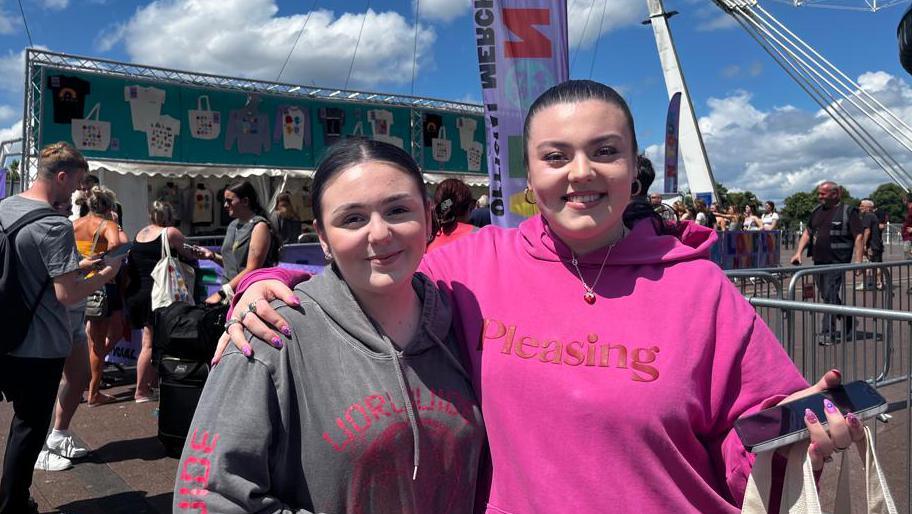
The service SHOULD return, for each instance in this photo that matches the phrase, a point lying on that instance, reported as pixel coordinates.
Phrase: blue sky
(762, 131)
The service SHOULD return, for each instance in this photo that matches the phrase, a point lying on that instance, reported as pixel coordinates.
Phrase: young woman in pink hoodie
(598, 394)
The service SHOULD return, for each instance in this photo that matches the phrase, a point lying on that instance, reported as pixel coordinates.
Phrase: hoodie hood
(333, 295)
(641, 246)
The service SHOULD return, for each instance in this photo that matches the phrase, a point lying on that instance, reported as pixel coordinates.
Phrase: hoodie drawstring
(409, 408)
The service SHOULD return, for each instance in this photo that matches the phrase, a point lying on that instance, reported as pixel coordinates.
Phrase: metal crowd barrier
(879, 351)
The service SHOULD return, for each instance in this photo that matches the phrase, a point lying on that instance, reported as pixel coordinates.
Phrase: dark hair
(245, 190)
(576, 91)
(101, 200)
(288, 212)
(353, 151)
(452, 202)
(645, 174)
(771, 204)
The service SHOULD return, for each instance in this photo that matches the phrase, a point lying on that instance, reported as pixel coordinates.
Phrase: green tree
(797, 209)
(889, 198)
(14, 170)
(743, 198)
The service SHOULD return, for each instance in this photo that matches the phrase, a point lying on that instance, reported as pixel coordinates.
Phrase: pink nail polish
(286, 331)
(853, 420)
(276, 342)
(810, 416)
(213, 362)
(838, 373)
(295, 301)
(246, 350)
(828, 405)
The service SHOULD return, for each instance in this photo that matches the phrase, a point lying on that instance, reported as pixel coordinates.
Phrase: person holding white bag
(144, 256)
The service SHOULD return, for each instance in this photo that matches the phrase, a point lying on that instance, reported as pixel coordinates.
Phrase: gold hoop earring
(639, 188)
(526, 197)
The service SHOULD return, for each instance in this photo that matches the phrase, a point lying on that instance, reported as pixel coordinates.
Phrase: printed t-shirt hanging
(202, 207)
(161, 134)
(69, 97)
(292, 127)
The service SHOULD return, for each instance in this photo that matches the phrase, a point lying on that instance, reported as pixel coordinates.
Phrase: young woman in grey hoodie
(372, 410)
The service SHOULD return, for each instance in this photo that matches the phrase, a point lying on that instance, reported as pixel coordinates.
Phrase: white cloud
(9, 23)
(8, 113)
(247, 38)
(12, 70)
(442, 10)
(12, 132)
(56, 4)
(710, 17)
(584, 17)
(783, 150)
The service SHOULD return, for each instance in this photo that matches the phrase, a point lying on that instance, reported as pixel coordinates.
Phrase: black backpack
(16, 312)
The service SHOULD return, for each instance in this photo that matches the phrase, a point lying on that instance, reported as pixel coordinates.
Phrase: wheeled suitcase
(182, 382)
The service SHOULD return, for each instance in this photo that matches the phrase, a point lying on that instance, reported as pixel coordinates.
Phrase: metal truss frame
(37, 61)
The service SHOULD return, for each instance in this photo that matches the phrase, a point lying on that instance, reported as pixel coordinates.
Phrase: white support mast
(693, 153)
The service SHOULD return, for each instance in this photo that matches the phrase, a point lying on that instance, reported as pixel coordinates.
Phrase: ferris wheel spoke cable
(357, 43)
(598, 38)
(415, 47)
(854, 88)
(583, 36)
(295, 44)
(812, 74)
(807, 72)
(851, 126)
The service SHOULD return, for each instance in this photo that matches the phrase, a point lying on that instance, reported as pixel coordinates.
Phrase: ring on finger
(251, 307)
(241, 315)
(232, 321)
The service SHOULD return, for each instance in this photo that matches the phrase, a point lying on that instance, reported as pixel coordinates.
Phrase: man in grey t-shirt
(30, 374)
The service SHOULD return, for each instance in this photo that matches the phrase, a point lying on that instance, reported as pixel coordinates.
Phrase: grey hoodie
(338, 420)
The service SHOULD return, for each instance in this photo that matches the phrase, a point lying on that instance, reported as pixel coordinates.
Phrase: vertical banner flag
(522, 51)
(671, 144)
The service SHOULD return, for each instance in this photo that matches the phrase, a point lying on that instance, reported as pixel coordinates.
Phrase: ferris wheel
(850, 5)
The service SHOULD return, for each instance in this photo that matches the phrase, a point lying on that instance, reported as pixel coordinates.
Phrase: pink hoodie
(625, 405)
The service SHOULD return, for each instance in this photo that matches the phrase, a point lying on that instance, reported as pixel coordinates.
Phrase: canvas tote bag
(91, 134)
(172, 279)
(204, 122)
(441, 147)
(799, 492)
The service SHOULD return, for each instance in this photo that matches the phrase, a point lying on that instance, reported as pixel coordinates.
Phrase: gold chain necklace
(589, 295)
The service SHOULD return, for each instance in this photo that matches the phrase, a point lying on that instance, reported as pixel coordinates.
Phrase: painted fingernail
(814, 449)
(276, 342)
(213, 362)
(838, 373)
(294, 301)
(246, 350)
(828, 405)
(287, 331)
(810, 416)
(853, 420)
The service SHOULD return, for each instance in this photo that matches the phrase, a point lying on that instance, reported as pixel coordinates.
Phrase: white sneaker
(48, 461)
(66, 447)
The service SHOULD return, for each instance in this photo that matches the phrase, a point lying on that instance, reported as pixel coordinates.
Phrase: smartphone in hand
(118, 253)
(784, 424)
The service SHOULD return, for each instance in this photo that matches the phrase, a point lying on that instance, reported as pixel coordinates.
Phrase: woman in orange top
(105, 330)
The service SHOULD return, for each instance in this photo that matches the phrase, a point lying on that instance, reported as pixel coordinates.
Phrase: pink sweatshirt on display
(626, 405)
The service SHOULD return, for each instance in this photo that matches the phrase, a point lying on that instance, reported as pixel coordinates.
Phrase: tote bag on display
(473, 155)
(799, 491)
(441, 146)
(91, 133)
(172, 279)
(204, 122)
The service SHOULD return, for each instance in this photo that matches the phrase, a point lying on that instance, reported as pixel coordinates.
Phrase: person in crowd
(453, 203)
(750, 221)
(770, 218)
(558, 320)
(655, 199)
(374, 339)
(481, 214)
(96, 233)
(721, 218)
(144, 255)
(704, 217)
(50, 277)
(872, 242)
(285, 220)
(836, 236)
(61, 447)
(734, 218)
(250, 242)
(681, 211)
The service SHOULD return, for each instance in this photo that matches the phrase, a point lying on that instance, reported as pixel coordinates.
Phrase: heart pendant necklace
(589, 296)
